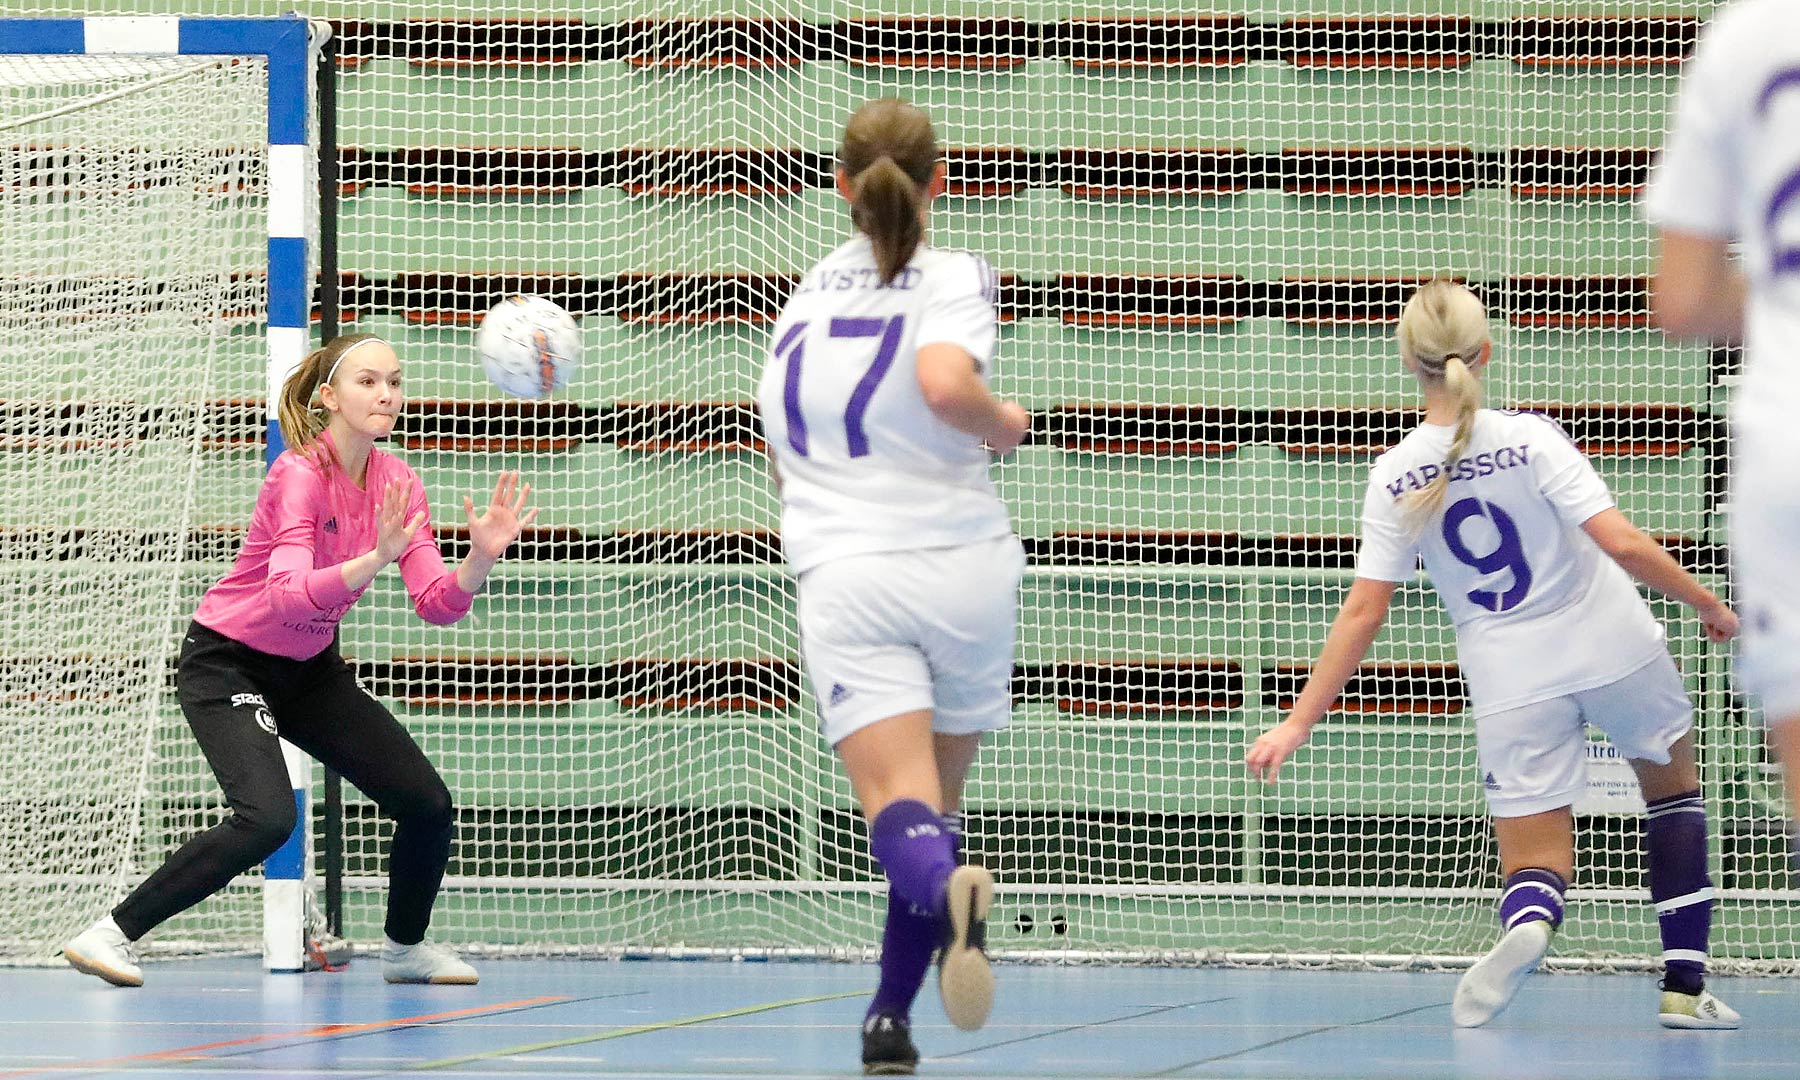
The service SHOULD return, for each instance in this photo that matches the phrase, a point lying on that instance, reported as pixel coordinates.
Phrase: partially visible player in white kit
(876, 410)
(1730, 171)
(1529, 555)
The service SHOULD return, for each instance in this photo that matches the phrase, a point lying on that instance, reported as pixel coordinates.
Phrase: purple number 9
(1508, 555)
(793, 348)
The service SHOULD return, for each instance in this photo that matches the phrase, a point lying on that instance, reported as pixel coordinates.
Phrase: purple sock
(908, 839)
(907, 942)
(1532, 894)
(1675, 848)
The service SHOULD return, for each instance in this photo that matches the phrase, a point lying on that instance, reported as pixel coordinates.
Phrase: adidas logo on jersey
(1490, 783)
(331, 525)
(839, 694)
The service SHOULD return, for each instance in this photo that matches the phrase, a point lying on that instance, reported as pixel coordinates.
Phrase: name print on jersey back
(1486, 463)
(858, 277)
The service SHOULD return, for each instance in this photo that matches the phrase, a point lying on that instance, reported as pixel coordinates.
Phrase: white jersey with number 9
(1539, 610)
(864, 463)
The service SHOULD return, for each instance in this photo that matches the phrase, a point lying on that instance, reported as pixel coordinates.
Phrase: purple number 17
(792, 350)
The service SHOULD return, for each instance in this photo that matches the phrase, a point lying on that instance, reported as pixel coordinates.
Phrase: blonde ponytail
(1442, 331)
(301, 420)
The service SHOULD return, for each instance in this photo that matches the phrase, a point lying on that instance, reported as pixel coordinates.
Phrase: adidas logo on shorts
(839, 694)
(1490, 783)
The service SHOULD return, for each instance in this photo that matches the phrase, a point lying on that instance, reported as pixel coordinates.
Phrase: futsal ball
(529, 346)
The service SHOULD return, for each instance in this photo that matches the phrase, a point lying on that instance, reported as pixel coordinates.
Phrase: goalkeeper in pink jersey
(261, 659)
(1531, 560)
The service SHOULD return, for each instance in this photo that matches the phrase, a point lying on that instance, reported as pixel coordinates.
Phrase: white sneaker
(1698, 1011)
(425, 963)
(104, 950)
(1488, 988)
(965, 981)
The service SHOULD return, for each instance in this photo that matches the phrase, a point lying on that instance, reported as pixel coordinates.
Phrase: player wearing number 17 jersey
(876, 410)
(1530, 557)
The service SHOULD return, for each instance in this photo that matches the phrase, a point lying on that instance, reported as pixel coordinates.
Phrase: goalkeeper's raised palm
(394, 531)
(499, 525)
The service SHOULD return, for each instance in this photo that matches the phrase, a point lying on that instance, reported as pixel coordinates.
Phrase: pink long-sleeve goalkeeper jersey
(285, 594)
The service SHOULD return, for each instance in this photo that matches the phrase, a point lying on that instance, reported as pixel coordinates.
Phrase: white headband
(332, 374)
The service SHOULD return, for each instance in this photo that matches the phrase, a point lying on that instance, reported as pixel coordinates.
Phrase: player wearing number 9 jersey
(1730, 171)
(875, 407)
(1530, 557)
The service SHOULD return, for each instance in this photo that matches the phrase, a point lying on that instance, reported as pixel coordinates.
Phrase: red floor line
(309, 1033)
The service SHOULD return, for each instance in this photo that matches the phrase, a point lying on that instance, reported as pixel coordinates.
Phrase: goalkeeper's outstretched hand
(494, 530)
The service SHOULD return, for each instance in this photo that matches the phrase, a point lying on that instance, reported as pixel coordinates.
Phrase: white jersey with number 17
(1539, 610)
(865, 465)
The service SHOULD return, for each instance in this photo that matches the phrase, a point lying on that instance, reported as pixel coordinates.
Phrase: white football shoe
(1699, 1011)
(104, 950)
(965, 980)
(425, 963)
(1488, 988)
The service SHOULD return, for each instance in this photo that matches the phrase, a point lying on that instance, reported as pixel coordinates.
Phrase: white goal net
(1203, 224)
(132, 286)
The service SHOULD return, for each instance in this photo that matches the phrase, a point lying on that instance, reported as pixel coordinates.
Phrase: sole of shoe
(889, 1068)
(1517, 956)
(1689, 1022)
(436, 980)
(965, 979)
(89, 967)
(1684, 1022)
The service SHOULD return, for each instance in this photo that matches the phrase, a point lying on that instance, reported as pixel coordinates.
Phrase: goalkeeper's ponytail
(1442, 333)
(302, 418)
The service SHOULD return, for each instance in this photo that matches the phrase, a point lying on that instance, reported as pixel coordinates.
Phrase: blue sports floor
(537, 1018)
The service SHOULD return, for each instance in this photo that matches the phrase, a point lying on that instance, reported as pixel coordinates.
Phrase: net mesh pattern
(132, 285)
(1204, 226)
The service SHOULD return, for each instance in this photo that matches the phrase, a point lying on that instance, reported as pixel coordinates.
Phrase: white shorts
(901, 631)
(1765, 548)
(1534, 757)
